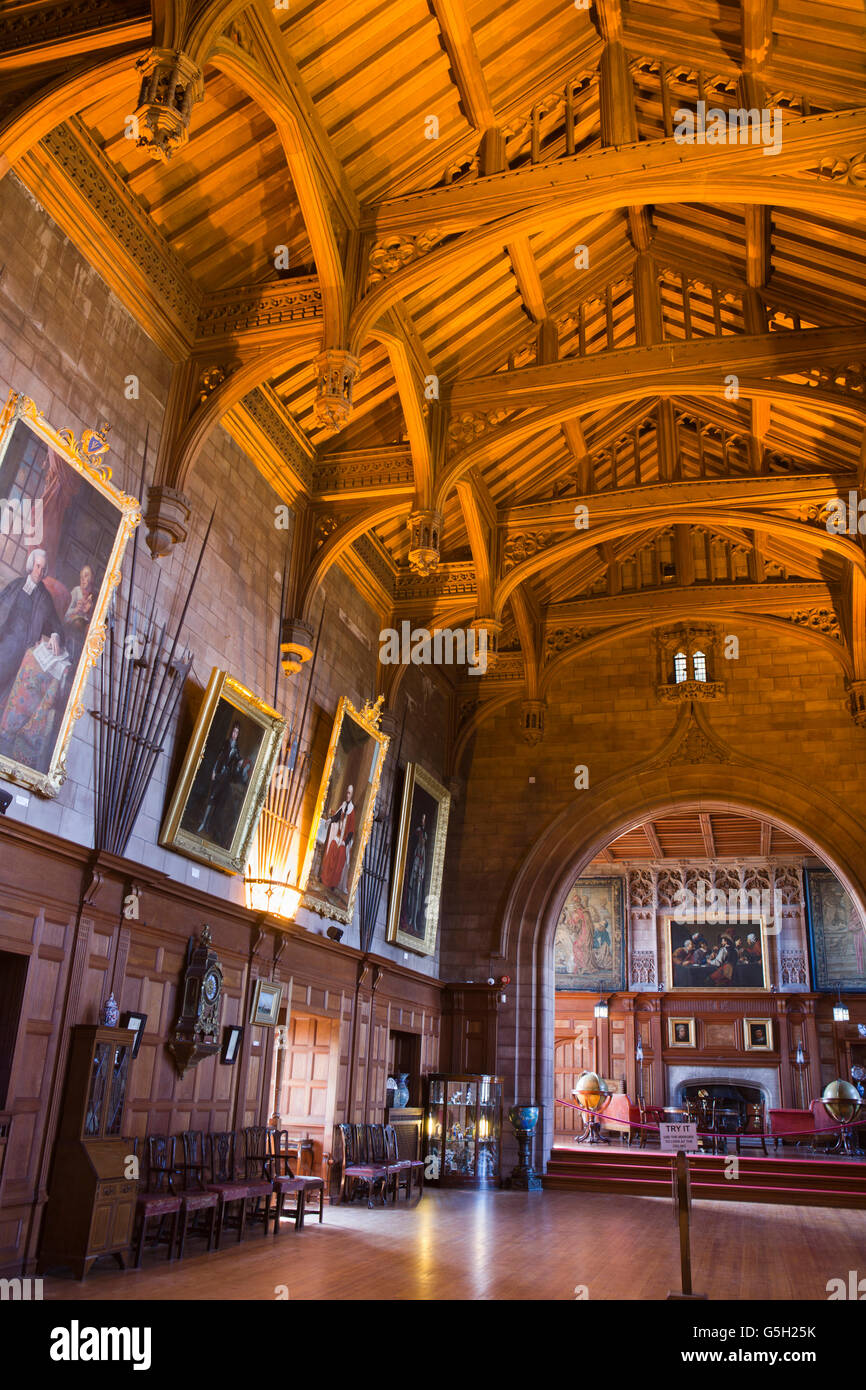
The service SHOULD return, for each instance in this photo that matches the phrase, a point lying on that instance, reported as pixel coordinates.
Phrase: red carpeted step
(801, 1181)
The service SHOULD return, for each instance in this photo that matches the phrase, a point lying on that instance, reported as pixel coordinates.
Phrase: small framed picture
(231, 1044)
(137, 1023)
(681, 1032)
(266, 1003)
(758, 1034)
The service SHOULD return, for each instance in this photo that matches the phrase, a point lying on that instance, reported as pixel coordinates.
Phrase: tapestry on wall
(589, 948)
(837, 934)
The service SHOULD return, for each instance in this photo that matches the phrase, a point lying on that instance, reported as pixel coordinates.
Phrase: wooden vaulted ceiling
(368, 79)
(715, 835)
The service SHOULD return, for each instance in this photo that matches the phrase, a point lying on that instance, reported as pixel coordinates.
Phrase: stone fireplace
(766, 1079)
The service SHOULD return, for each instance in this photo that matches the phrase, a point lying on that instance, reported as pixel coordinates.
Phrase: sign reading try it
(678, 1138)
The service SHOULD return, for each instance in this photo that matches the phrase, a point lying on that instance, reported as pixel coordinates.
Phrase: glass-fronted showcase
(462, 1130)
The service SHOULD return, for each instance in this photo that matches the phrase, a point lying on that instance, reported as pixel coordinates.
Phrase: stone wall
(71, 346)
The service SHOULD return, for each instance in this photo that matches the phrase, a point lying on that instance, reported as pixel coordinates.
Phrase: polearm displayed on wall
(141, 678)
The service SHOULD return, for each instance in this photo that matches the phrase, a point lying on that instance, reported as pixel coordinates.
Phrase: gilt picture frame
(681, 1032)
(64, 528)
(267, 1000)
(416, 886)
(758, 1034)
(223, 781)
(344, 810)
(715, 959)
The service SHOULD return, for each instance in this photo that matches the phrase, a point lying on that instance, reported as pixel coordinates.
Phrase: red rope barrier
(716, 1134)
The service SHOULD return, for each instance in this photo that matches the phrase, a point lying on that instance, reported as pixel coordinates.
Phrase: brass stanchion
(682, 1195)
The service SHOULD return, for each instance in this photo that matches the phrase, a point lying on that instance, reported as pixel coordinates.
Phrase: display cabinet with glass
(92, 1193)
(462, 1130)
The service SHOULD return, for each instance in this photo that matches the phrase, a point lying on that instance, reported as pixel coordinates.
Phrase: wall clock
(197, 1031)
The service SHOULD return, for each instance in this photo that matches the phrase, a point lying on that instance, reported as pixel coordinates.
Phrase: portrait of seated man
(26, 613)
(28, 725)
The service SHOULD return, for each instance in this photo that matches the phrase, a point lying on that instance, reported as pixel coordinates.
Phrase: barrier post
(682, 1195)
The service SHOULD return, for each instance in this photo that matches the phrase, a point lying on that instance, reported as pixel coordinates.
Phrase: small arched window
(699, 665)
(681, 667)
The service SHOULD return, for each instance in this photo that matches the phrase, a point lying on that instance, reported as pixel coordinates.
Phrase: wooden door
(571, 1057)
(309, 1080)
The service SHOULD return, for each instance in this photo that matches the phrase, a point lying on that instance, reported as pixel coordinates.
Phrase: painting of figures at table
(838, 934)
(589, 947)
(61, 539)
(714, 958)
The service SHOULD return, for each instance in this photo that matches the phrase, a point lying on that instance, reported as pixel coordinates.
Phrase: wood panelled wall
(583, 1042)
(64, 912)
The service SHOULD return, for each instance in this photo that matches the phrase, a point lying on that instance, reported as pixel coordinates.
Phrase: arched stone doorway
(597, 816)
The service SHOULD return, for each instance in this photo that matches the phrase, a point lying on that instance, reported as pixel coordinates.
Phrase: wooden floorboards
(509, 1245)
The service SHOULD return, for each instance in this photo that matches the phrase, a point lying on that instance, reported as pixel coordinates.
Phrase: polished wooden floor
(504, 1245)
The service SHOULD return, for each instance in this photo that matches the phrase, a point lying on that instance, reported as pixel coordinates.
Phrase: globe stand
(593, 1134)
(524, 1119)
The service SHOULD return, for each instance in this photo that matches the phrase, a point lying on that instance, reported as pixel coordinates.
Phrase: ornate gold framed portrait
(63, 531)
(413, 910)
(344, 810)
(681, 1032)
(758, 1034)
(221, 789)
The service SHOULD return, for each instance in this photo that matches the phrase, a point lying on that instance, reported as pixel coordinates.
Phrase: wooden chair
(753, 1124)
(195, 1197)
(356, 1170)
(405, 1169)
(221, 1149)
(649, 1115)
(288, 1183)
(157, 1202)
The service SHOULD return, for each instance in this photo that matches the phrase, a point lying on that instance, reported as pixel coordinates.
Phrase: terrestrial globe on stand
(524, 1121)
(591, 1093)
(841, 1100)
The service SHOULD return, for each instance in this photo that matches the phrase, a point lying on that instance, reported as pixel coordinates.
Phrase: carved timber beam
(839, 403)
(647, 172)
(553, 553)
(776, 354)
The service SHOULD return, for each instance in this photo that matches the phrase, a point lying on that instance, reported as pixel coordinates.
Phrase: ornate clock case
(197, 1031)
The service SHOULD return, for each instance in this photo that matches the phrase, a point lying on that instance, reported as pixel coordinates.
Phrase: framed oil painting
(681, 1032)
(344, 810)
(63, 532)
(589, 946)
(758, 1034)
(215, 808)
(266, 1004)
(837, 935)
(714, 958)
(413, 909)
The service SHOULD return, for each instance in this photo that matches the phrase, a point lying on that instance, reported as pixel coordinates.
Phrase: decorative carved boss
(170, 84)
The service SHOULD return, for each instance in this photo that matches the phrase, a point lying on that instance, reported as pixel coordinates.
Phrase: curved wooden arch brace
(246, 73)
(62, 97)
(413, 413)
(760, 521)
(338, 543)
(528, 631)
(584, 404)
(207, 28)
(677, 186)
(177, 454)
(482, 539)
(832, 648)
